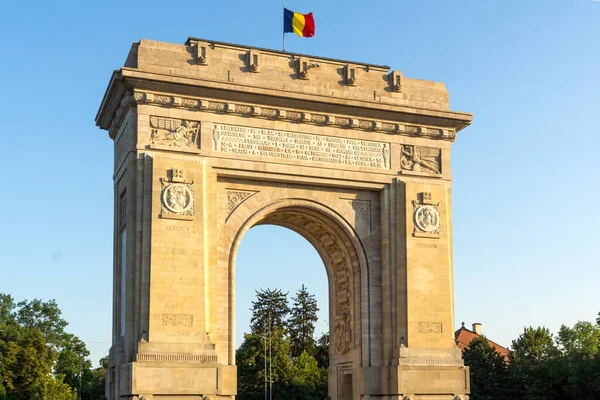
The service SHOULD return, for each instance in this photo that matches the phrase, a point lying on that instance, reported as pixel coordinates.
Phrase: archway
(202, 155)
(340, 250)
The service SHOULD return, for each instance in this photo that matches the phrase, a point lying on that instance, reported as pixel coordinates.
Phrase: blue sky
(525, 192)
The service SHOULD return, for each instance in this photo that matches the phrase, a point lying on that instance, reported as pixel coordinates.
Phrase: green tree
(578, 366)
(26, 360)
(302, 323)
(270, 305)
(53, 388)
(322, 351)
(42, 315)
(72, 360)
(308, 382)
(531, 362)
(251, 363)
(489, 375)
(33, 342)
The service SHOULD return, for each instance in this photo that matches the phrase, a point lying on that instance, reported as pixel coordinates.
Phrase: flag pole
(283, 30)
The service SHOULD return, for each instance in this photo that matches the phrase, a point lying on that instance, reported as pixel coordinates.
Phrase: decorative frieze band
(293, 116)
(431, 361)
(194, 358)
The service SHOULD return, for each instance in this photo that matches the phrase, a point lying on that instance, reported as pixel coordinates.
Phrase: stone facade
(211, 139)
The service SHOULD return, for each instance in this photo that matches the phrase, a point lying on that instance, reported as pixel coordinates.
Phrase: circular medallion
(177, 198)
(427, 218)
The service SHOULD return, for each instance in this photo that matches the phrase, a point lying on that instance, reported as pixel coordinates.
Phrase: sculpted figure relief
(420, 159)
(173, 132)
(177, 198)
(427, 219)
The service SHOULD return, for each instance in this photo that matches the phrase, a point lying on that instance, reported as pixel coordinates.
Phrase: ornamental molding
(341, 259)
(341, 121)
(177, 357)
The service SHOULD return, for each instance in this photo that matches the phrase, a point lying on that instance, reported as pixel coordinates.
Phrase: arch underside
(341, 263)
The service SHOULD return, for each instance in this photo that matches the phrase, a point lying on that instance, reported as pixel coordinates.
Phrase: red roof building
(463, 337)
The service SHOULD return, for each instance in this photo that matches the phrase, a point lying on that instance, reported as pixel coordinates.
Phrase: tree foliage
(271, 306)
(296, 375)
(541, 367)
(489, 374)
(302, 323)
(38, 358)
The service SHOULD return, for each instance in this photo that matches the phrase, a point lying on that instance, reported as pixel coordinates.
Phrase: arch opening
(337, 247)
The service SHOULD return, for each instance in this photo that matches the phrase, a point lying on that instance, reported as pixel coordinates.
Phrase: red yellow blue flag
(302, 24)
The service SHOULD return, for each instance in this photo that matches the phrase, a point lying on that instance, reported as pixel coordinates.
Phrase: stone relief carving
(426, 216)
(342, 335)
(177, 198)
(174, 132)
(237, 197)
(177, 319)
(430, 327)
(421, 159)
(342, 262)
(427, 219)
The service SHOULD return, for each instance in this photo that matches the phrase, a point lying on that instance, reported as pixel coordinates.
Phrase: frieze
(430, 327)
(271, 143)
(177, 320)
(291, 115)
(174, 132)
(175, 357)
(421, 159)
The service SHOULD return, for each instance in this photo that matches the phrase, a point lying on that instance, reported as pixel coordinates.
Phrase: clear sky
(526, 187)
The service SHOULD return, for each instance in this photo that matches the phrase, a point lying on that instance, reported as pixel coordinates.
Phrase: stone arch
(343, 255)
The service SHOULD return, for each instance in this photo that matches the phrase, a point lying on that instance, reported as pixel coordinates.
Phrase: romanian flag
(302, 24)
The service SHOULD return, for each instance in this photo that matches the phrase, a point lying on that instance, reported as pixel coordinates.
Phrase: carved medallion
(421, 159)
(427, 219)
(426, 216)
(177, 199)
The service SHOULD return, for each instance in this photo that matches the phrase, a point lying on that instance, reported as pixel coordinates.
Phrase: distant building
(463, 337)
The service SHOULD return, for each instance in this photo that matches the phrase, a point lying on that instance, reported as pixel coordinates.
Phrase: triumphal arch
(211, 139)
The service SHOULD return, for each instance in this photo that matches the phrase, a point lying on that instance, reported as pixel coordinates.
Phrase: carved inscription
(300, 146)
(178, 228)
(177, 320)
(430, 327)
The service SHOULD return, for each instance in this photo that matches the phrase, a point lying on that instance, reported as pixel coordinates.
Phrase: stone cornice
(130, 79)
(214, 106)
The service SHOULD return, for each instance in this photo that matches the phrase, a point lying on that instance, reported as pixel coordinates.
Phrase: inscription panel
(260, 142)
(430, 327)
